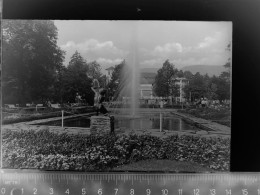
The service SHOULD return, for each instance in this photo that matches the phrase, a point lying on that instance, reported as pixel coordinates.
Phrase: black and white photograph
(116, 95)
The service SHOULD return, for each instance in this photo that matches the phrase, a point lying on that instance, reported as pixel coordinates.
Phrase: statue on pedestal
(99, 98)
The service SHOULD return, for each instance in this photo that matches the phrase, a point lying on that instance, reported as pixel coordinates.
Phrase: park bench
(10, 106)
(55, 105)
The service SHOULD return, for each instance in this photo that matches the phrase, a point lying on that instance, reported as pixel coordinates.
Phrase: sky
(184, 43)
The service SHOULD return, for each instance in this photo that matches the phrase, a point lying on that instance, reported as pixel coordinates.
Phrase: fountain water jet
(130, 76)
(133, 65)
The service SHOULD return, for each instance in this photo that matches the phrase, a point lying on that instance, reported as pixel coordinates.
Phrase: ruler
(29, 182)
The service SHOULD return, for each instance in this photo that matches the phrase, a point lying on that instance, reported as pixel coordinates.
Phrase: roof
(110, 68)
(180, 78)
(147, 78)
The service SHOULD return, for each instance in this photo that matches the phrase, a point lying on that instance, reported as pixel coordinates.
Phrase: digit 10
(164, 192)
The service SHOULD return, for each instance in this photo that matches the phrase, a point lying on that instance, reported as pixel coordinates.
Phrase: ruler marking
(213, 181)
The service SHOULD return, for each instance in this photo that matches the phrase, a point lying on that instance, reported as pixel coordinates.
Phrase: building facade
(108, 73)
(181, 82)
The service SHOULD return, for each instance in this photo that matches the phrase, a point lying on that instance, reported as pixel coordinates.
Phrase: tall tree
(223, 88)
(94, 71)
(226, 74)
(163, 80)
(75, 80)
(212, 88)
(197, 87)
(224, 83)
(31, 58)
(180, 74)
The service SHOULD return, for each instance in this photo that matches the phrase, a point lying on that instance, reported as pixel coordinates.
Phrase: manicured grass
(17, 116)
(164, 166)
(221, 116)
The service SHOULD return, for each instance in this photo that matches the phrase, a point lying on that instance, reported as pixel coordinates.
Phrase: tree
(188, 75)
(59, 85)
(212, 88)
(224, 90)
(180, 74)
(31, 59)
(75, 80)
(197, 87)
(226, 74)
(94, 71)
(163, 80)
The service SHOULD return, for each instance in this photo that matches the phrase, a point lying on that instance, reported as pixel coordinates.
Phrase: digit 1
(196, 191)
(228, 192)
(2, 190)
(244, 191)
(164, 192)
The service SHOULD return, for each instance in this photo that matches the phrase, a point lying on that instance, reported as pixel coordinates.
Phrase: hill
(149, 70)
(203, 69)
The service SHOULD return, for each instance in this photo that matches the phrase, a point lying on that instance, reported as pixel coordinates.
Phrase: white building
(181, 82)
(108, 73)
(146, 85)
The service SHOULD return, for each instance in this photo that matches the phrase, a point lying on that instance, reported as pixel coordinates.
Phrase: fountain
(128, 88)
(130, 77)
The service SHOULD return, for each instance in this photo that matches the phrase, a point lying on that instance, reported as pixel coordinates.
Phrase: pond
(144, 121)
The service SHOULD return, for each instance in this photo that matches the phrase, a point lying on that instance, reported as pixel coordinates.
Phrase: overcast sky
(183, 43)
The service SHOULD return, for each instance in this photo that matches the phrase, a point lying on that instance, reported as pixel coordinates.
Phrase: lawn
(24, 115)
(221, 116)
(50, 151)
(172, 166)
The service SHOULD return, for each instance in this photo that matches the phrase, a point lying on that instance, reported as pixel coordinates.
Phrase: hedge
(50, 151)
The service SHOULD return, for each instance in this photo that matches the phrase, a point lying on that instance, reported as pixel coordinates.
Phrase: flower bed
(50, 151)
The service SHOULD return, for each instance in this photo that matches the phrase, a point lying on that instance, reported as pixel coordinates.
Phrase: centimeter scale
(13, 182)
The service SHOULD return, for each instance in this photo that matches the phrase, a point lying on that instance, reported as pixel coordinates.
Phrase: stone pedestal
(100, 124)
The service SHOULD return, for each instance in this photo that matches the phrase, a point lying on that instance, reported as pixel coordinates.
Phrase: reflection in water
(153, 122)
(142, 122)
(161, 122)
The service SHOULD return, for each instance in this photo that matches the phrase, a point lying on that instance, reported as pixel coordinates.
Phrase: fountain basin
(140, 121)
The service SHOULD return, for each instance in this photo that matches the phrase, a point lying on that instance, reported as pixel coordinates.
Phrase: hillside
(149, 70)
(203, 69)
